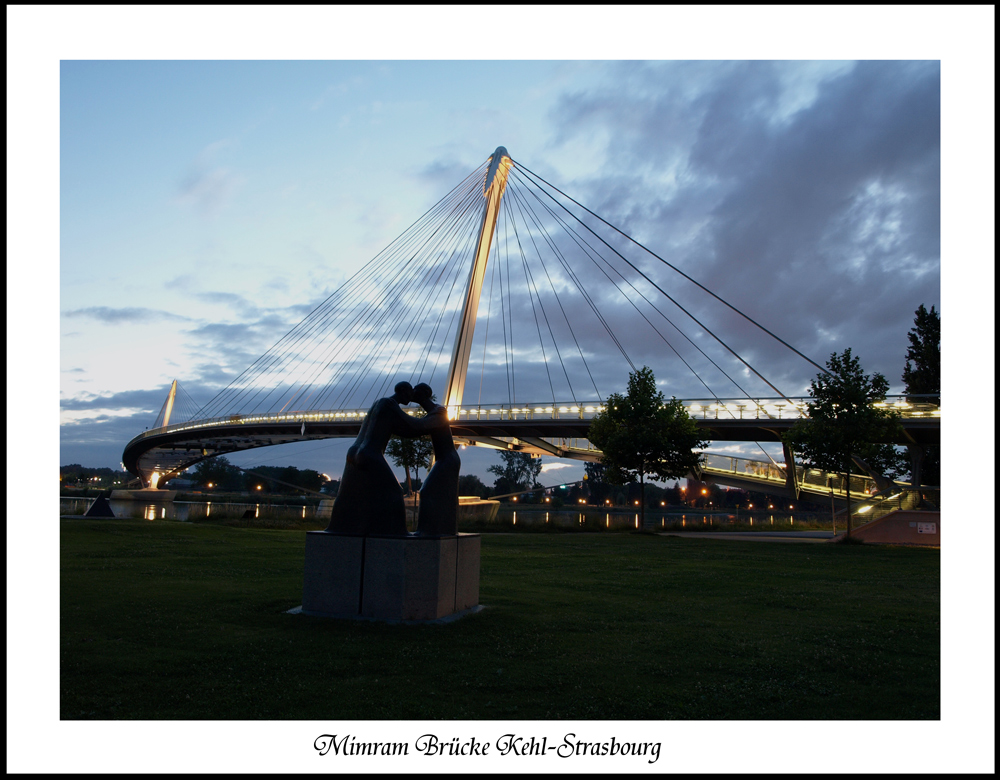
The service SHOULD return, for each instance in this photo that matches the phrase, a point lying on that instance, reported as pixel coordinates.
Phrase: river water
(190, 510)
(597, 518)
(585, 518)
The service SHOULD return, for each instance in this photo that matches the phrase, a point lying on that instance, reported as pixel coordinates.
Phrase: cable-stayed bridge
(526, 310)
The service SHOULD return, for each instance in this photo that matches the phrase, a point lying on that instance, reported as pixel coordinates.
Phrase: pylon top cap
(499, 155)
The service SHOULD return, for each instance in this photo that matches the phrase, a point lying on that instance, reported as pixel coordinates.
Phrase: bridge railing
(702, 409)
(699, 408)
(813, 480)
(796, 408)
(900, 496)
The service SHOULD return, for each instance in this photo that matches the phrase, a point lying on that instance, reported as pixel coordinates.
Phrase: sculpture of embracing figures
(370, 499)
(438, 514)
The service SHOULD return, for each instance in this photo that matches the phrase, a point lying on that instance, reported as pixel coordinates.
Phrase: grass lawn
(169, 620)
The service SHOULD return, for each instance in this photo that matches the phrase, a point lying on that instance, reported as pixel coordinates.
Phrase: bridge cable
(510, 311)
(360, 296)
(507, 358)
(317, 321)
(270, 357)
(415, 323)
(578, 239)
(398, 314)
(376, 314)
(489, 312)
(598, 314)
(585, 246)
(670, 265)
(521, 206)
(679, 306)
(524, 206)
(524, 264)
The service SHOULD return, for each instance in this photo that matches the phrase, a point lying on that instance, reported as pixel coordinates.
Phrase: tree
(642, 433)
(283, 479)
(596, 482)
(922, 373)
(218, 472)
(843, 422)
(519, 472)
(410, 454)
(921, 378)
(471, 485)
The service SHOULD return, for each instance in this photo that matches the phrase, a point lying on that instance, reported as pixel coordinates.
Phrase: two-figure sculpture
(370, 499)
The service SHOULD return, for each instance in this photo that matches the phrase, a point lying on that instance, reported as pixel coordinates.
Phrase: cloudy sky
(192, 211)
(207, 207)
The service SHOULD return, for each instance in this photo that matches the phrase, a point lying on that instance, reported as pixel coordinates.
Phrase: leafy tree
(284, 479)
(922, 373)
(642, 433)
(596, 482)
(519, 472)
(219, 472)
(844, 424)
(922, 377)
(471, 485)
(410, 454)
(98, 477)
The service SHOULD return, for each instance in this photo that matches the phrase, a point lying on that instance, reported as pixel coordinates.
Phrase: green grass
(167, 620)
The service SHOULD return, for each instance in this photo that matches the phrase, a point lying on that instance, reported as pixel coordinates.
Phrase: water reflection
(190, 510)
(592, 518)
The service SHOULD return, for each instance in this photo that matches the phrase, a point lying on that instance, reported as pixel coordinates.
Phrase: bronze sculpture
(370, 499)
(438, 513)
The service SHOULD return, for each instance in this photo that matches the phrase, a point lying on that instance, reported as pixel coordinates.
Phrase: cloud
(805, 194)
(118, 316)
(238, 302)
(808, 197)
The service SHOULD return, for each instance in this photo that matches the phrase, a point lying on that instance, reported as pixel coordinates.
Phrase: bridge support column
(916, 453)
(493, 187)
(791, 475)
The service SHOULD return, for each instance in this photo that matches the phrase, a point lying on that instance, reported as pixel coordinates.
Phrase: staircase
(882, 504)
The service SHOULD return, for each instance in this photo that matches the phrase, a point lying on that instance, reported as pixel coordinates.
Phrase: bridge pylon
(493, 189)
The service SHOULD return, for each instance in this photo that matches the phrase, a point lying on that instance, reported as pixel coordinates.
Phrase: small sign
(926, 528)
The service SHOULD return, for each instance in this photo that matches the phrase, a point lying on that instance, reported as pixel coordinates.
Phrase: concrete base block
(395, 578)
(467, 571)
(332, 578)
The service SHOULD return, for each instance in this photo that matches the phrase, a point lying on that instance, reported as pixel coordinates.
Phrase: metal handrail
(814, 480)
(715, 408)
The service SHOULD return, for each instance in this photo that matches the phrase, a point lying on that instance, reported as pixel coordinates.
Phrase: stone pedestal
(390, 577)
(332, 576)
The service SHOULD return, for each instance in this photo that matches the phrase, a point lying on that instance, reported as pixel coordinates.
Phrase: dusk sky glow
(206, 207)
(197, 180)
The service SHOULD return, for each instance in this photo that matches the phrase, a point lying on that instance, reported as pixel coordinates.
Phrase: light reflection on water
(574, 517)
(188, 510)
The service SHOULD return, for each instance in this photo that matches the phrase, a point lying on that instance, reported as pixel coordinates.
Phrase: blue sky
(166, 199)
(207, 206)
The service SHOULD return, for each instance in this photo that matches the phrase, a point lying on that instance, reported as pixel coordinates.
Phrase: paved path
(756, 536)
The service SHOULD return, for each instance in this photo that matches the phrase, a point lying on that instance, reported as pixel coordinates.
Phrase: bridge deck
(559, 429)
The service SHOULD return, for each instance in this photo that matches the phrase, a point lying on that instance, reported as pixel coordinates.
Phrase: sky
(190, 210)
(207, 206)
